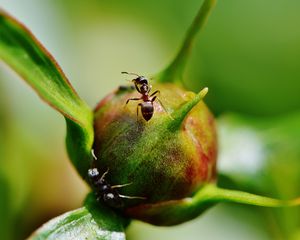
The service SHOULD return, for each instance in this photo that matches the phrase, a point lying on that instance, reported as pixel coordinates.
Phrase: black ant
(142, 86)
(104, 191)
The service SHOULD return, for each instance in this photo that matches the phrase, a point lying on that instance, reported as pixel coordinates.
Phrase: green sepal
(93, 221)
(180, 114)
(174, 71)
(24, 54)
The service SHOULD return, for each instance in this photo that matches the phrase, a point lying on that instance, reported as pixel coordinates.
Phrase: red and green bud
(169, 157)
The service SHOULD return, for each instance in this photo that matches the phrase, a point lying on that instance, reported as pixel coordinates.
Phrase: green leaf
(5, 209)
(174, 72)
(23, 53)
(93, 221)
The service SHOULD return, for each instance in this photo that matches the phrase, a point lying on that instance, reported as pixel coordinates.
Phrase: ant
(104, 191)
(142, 86)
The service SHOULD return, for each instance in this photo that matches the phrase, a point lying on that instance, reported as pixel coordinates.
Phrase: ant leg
(121, 185)
(160, 102)
(104, 174)
(131, 197)
(137, 111)
(136, 87)
(153, 99)
(157, 91)
(149, 90)
(132, 99)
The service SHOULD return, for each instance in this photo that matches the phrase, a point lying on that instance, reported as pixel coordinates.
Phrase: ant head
(140, 80)
(93, 174)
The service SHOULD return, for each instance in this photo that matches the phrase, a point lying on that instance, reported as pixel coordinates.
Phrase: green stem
(174, 72)
(179, 211)
(215, 194)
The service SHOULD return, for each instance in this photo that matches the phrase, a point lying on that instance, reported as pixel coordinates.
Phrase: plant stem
(182, 210)
(175, 70)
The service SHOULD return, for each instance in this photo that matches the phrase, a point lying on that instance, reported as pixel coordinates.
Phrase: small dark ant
(125, 88)
(104, 191)
(142, 86)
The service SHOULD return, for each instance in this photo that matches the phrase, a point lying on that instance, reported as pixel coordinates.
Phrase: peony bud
(169, 157)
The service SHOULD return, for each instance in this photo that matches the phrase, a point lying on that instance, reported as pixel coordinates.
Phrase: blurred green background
(248, 55)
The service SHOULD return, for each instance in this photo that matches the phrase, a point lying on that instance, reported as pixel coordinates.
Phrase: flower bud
(169, 157)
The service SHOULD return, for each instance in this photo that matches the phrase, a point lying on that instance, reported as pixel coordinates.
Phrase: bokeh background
(249, 57)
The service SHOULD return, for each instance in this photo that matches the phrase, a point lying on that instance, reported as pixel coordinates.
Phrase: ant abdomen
(147, 110)
(112, 200)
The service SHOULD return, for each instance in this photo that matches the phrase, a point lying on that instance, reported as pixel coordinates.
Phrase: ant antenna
(130, 73)
(104, 174)
(93, 164)
(93, 154)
